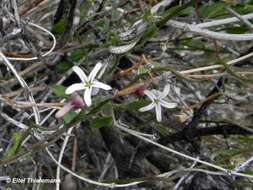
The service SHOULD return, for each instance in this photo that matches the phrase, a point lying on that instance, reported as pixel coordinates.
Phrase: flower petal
(65, 109)
(80, 73)
(167, 104)
(98, 84)
(165, 92)
(87, 96)
(95, 71)
(75, 87)
(147, 108)
(158, 112)
(94, 91)
(150, 94)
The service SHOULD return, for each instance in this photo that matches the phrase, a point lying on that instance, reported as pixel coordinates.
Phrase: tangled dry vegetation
(164, 102)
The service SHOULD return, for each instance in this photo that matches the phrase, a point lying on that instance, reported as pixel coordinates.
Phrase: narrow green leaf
(237, 29)
(59, 27)
(101, 122)
(69, 117)
(213, 10)
(104, 24)
(63, 66)
(173, 11)
(77, 55)
(135, 105)
(59, 91)
(147, 15)
(16, 142)
(150, 33)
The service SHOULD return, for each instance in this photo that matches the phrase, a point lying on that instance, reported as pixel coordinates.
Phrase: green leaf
(147, 15)
(194, 43)
(113, 39)
(213, 10)
(69, 117)
(142, 70)
(104, 25)
(136, 104)
(63, 66)
(16, 142)
(59, 91)
(164, 130)
(77, 55)
(246, 9)
(84, 8)
(59, 27)
(150, 33)
(173, 11)
(228, 153)
(237, 29)
(99, 106)
(101, 122)
(115, 14)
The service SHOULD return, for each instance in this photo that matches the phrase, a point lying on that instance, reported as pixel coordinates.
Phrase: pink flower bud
(65, 109)
(140, 90)
(75, 102)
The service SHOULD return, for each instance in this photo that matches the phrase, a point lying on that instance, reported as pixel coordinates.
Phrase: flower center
(156, 101)
(88, 84)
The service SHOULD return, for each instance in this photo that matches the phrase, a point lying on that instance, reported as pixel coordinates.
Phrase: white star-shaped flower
(88, 83)
(158, 101)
